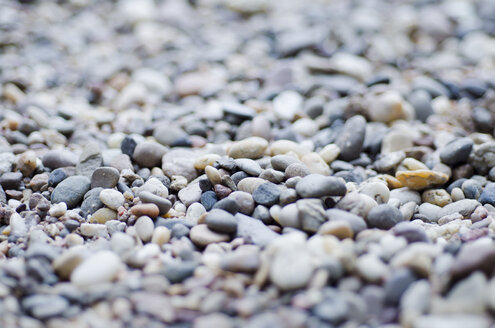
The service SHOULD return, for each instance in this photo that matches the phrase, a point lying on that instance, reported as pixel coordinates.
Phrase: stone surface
(316, 185)
(71, 191)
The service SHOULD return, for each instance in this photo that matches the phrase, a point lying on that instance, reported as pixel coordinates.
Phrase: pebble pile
(247, 163)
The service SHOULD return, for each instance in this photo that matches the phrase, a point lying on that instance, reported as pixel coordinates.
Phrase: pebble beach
(247, 163)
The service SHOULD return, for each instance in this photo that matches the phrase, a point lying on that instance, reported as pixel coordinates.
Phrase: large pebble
(221, 221)
(252, 148)
(99, 268)
(291, 269)
(71, 191)
(144, 228)
(456, 151)
(149, 154)
(316, 186)
(202, 236)
(54, 159)
(384, 217)
(421, 179)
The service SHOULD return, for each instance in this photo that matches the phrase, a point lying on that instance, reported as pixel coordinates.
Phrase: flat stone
(464, 207)
(249, 166)
(252, 148)
(54, 159)
(421, 179)
(340, 229)
(221, 221)
(254, 231)
(202, 236)
(71, 191)
(45, 306)
(316, 186)
(267, 194)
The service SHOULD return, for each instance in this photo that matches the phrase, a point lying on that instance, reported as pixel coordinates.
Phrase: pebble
(339, 229)
(161, 236)
(112, 198)
(291, 269)
(148, 154)
(58, 210)
(144, 228)
(356, 222)
(251, 148)
(316, 186)
(150, 210)
(99, 268)
(163, 204)
(464, 207)
(105, 177)
(71, 190)
(267, 194)
(202, 236)
(351, 138)
(457, 151)
(249, 166)
(54, 159)
(221, 221)
(421, 179)
(384, 217)
(103, 215)
(439, 197)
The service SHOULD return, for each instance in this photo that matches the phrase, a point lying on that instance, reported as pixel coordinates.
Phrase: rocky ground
(247, 163)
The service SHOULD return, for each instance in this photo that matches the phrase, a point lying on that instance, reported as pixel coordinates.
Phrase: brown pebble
(222, 191)
(150, 210)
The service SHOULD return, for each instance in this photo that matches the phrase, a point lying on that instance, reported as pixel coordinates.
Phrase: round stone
(149, 154)
(457, 151)
(105, 177)
(252, 148)
(316, 186)
(384, 217)
(161, 235)
(221, 221)
(267, 194)
(99, 268)
(71, 191)
(112, 198)
(144, 228)
(202, 236)
(213, 175)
